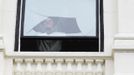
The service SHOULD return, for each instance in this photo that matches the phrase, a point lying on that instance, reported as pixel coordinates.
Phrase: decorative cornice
(124, 42)
(124, 36)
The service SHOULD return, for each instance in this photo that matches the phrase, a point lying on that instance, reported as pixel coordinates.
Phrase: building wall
(118, 29)
(8, 22)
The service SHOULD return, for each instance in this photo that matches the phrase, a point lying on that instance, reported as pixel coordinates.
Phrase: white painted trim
(124, 36)
(58, 55)
(124, 42)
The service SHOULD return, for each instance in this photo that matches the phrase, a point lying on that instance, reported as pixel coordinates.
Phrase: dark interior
(66, 45)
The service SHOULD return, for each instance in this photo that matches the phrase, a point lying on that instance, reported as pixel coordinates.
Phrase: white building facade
(117, 58)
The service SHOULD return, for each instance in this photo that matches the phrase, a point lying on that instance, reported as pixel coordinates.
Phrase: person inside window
(61, 25)
(55, 26)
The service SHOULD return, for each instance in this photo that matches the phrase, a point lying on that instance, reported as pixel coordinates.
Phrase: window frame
(99, 26)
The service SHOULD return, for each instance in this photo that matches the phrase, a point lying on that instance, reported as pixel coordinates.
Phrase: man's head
(48, 23)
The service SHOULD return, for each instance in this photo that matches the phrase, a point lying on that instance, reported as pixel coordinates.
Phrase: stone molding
(124, 42)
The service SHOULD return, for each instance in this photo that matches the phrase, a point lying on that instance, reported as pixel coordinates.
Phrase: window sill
(92, 55)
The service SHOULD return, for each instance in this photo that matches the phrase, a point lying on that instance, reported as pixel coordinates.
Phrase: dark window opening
(59, 45)
(60, 33)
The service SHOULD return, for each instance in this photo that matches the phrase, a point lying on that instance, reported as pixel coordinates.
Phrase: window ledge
(92, 55)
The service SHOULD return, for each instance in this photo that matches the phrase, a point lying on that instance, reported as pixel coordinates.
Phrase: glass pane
(60, 18)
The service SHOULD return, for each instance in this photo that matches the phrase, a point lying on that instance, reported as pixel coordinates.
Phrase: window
(59, 26)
